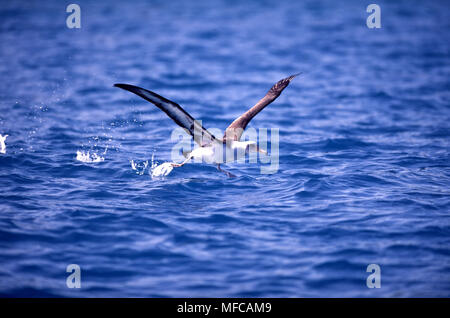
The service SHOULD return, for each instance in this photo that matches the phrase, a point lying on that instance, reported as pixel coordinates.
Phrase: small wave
(88, 157)
(2, 143)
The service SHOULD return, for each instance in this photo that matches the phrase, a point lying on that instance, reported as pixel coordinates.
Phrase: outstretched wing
(175, 112)
(235, 130)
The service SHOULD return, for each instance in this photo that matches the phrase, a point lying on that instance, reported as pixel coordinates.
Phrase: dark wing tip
(124, 86)
(282, 84)
(290, 78)
(134, 89)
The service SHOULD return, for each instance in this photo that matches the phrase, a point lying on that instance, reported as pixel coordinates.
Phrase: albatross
(210, 148)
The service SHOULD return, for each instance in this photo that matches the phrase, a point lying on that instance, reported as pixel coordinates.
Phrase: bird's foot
(229, 174)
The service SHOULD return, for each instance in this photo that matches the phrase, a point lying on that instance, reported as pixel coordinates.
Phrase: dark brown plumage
(182, 118)
(237, 127)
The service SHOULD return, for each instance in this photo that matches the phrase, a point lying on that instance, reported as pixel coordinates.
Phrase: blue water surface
(364, 173)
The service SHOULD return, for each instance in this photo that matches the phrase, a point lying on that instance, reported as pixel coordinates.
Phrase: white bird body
(218, 153)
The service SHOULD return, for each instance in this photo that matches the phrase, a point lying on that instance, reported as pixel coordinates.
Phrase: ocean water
(364, 150)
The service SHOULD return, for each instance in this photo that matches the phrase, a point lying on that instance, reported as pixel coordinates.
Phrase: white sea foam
(162, 170)
(2, 143)
(88, 157)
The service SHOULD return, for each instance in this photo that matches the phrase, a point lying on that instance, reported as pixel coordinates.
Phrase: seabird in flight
(210, 147)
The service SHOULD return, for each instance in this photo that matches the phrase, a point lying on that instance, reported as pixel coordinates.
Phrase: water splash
(139, 167)
(161, 170)
(155, 169)
(2, 144)
(88, 157)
